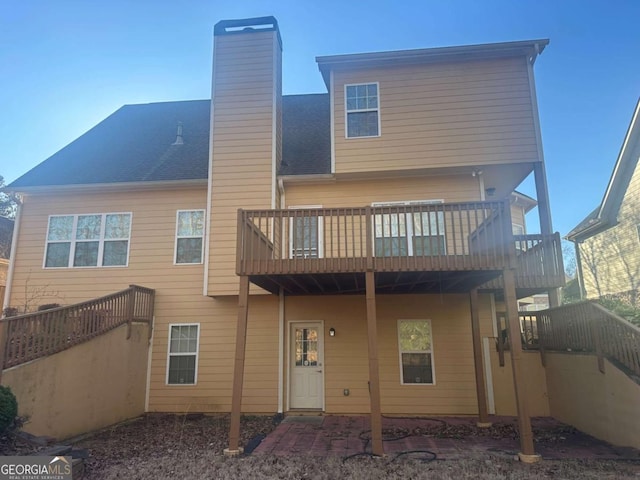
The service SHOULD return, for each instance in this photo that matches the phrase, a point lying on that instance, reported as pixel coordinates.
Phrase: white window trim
(431, 351)
(347, 111)
(73, 241)
(514, 224)
(409, 221)
(175, 247)
(183, 354)
(320, 229)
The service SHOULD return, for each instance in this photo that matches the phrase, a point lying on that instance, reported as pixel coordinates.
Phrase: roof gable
(606, 214)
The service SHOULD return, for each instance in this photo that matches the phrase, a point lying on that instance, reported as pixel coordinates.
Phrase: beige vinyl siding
(611, 259)
(346, 361)
(151, 249)
(518, 215)
(179, 296)
(361, 193)
(245, 81)
(441, 115)
(212, 393)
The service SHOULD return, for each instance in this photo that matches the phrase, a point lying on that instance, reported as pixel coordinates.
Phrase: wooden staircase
(24, 338)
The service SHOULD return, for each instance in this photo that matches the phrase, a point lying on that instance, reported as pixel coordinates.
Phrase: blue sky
(66, 65)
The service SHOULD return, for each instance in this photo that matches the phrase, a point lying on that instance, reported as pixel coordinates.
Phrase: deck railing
(34, 335)
(538, 262)
(436, 236)
(587, 327)
(528, 333)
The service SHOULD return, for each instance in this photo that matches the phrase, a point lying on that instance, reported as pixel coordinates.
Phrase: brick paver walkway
(447, 437)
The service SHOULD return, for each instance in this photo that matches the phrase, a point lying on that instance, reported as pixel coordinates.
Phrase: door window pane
(306, 347)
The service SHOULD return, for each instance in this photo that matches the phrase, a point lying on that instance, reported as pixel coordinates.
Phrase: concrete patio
(447, 437)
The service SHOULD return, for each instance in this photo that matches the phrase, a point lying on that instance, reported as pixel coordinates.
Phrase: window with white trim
(189, 236)
(95, 240)
(415, 347)
(362, 110)
(409, 233)
(305, 232)
(517, 229)
(182, 364)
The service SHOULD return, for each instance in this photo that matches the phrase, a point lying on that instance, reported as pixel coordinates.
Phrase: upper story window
(96, 240)
(189, 236)
(362, 110)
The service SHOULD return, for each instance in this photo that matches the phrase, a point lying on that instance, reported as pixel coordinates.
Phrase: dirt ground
(190, 447)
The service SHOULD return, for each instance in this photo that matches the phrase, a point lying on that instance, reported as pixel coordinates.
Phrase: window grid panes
(183, 354)
(416, 352)
(88, 240)
(189, 236)
(305, 237)
(362, 110)
(407, 234)
(306, 347)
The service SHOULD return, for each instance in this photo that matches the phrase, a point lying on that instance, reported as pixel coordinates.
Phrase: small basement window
(416, 352)
(182, 364)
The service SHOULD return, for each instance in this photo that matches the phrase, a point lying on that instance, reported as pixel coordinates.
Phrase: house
(6, 234)
(341, 253)
(607, 241)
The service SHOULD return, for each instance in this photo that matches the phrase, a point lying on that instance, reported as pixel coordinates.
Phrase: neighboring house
(608, 240)
(6, 234)
(374, 245)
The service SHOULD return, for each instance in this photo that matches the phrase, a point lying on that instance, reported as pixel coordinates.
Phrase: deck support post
(374, 372)
(4, 325)
(481, 390)
(238, 368)
(527, 453)
(544, 213)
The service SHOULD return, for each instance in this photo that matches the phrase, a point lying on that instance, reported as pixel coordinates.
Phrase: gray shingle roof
(135, 144)
(306, 134)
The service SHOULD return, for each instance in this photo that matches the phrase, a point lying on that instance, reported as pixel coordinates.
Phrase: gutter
(89, 187)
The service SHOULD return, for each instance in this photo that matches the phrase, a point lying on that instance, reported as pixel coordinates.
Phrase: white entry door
(306, 364)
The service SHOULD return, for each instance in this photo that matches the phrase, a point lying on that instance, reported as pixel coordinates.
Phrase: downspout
(14, 250)
(281, 323)
(581, 287)
(281, 320)
(478, 174)
(205, 280)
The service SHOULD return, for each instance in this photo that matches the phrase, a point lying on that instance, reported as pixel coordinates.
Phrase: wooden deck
(426, 247)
